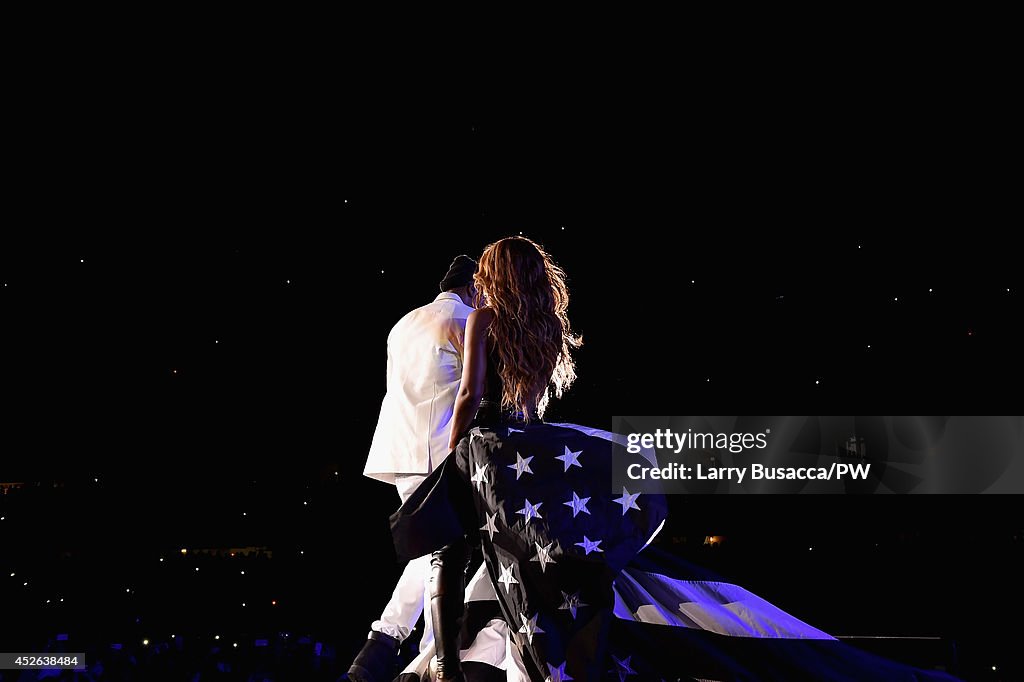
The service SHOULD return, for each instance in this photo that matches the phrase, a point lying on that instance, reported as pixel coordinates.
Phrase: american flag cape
(567, 590)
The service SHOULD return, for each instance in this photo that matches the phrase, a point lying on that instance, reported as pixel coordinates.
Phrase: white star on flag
(570, 458)
(506, 577)
(578, 504)
(521, 466)
(531, 511)
(589, 545)
(478, 477)
(570, 603)
(623, 668)
(543, 556)
(557, 674)
(530, 627)
(490, 526)
(627, 501)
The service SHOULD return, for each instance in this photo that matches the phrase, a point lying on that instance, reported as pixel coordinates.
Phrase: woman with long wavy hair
(519, 340)
(536, 497)
(562, 594)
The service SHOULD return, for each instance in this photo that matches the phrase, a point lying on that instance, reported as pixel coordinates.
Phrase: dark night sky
(231, 295)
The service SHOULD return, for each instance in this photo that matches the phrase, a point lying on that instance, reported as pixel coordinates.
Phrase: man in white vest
(411, 440)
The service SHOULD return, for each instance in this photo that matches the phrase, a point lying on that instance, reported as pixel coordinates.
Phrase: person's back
(424, 370)
(411, 440)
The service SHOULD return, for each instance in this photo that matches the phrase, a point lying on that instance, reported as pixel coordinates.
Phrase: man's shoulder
(441, 309)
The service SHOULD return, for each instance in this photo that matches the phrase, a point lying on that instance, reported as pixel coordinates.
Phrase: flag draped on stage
(567, 590)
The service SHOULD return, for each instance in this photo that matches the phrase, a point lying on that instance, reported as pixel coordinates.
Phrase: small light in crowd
(243, 572)
(273, 602)
(301, 552)
(24, 584)
(47, 601)
(128, 589)
(81, 260)
(96, 480)
(197, 569)
(929, 291)
(816, 382)
(810, 549)
(145, 642)
(12, 575)
(184, 551)
(993, 668)
(161, 559)
(235, 645)
(243, 605)
(304, 503)
(896, 299)
(216, 636)
(62, 600)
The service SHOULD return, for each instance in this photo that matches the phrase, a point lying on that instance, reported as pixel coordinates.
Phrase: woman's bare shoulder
(480, 318)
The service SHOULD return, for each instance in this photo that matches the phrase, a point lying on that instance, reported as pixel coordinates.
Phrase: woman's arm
(474, 373)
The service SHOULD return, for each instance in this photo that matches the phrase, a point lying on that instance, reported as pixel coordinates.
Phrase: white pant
(413, 589)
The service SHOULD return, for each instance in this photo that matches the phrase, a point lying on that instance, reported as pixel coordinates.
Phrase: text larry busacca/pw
(757, 472)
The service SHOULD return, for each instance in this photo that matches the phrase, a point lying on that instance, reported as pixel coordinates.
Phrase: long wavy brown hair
(530, 334)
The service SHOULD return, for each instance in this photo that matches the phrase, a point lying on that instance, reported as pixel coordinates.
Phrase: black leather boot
(447, 605)
(376, 660)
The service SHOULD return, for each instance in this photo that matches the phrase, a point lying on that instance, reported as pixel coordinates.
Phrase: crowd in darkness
(228, 608)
